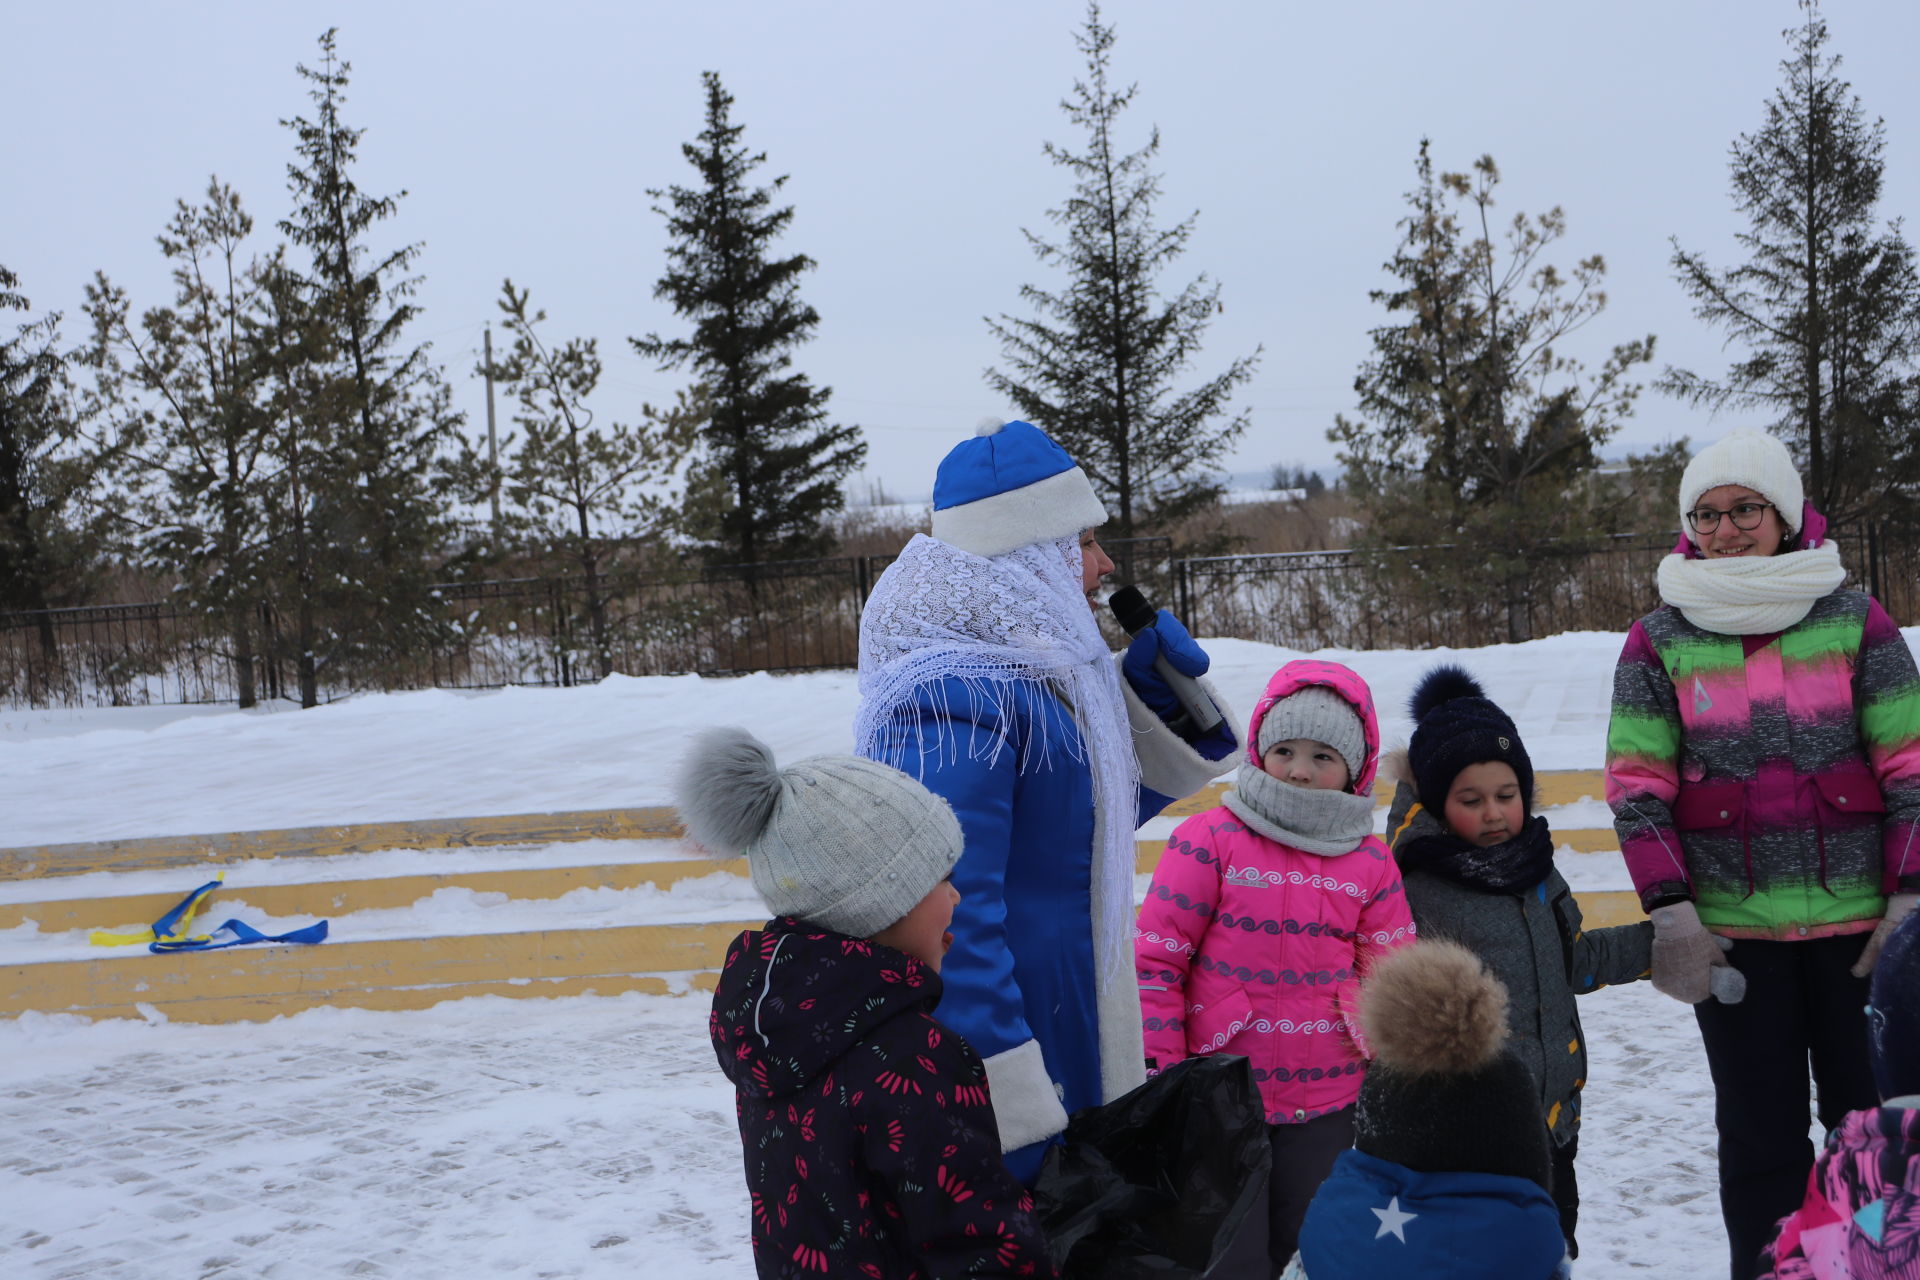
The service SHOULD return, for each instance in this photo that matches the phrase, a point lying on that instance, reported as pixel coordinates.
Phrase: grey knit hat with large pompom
(841, 842)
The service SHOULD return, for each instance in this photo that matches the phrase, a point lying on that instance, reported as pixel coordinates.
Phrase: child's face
(1483, 805)
(1306, 763)
(922, 932)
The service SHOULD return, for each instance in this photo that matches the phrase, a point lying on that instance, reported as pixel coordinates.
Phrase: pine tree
(181, 400)
(1479, 435)
(1827, 304)
(1097, 369)
(770, 466)
(47, 473)
(384, 508)
(581, 488)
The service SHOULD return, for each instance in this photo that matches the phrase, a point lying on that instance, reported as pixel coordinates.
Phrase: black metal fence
(1418, 597)
(805, 615)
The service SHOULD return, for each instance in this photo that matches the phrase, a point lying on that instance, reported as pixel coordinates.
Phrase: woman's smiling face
(1727, 540)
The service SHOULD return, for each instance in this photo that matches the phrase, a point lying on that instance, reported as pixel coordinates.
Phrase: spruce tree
(1479, 435)
(1096, 369)
(47, 473)
(770, 465)
(179, 395)
(582, 489)
(384, 505)
(291, 347)
(1827, 303)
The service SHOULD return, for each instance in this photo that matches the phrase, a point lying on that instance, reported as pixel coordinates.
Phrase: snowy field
(582, 1137)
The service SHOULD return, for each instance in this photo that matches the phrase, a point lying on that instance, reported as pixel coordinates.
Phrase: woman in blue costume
(983, 673)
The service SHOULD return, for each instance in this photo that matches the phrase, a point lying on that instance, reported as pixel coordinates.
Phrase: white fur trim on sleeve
(1024, 1100)
(1167, 763)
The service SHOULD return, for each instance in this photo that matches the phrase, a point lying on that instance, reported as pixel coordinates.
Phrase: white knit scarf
(995, 622)
(1750, 595)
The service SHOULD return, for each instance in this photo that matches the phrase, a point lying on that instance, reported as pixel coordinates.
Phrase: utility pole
(493, 443)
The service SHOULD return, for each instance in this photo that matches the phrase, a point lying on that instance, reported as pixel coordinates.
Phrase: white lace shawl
(994, 622)
(1748, 595)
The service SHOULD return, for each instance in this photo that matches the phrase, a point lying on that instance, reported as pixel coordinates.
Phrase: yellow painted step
(1603, 909)
(307, 842)
(338, 897)
(658, 822)
(255, 983)
(261, 982)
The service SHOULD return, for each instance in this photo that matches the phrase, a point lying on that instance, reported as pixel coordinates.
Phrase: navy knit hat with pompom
(1456, 725)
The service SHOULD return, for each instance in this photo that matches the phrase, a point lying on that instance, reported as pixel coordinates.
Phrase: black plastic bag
(1168, 1182)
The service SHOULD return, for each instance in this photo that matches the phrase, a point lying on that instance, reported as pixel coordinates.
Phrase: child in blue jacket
(1449, 1177)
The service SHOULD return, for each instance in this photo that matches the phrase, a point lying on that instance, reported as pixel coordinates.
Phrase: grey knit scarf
(1327, 823)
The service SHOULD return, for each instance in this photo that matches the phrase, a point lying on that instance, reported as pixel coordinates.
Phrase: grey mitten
(1686, 956)
(1899, 907)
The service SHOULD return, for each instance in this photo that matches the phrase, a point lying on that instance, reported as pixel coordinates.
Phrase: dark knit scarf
(1513, 866)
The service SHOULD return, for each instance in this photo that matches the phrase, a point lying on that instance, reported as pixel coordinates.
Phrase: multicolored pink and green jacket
(1772, 779)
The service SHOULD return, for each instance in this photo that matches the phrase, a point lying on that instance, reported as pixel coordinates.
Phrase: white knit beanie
(1320, 714)
(839, 841)
(1745, 457)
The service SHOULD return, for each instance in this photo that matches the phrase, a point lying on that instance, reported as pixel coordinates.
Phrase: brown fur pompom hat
(1443, 1094)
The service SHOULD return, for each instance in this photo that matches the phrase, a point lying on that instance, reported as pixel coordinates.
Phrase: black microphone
(1134, 614)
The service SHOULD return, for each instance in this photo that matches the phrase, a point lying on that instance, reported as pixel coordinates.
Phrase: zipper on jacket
(778, 943)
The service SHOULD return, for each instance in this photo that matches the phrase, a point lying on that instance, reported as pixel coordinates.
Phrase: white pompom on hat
(1745, 457)
(839, 841)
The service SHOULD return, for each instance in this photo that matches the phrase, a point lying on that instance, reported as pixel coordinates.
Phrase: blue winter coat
(1020, 978)
(1376, 1220)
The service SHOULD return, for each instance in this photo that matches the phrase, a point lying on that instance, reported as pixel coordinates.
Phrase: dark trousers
(1801, 1005)
(1303, 1156)
(1566, 1190)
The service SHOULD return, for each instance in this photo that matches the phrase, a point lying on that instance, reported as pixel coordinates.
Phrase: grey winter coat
(1534, 944)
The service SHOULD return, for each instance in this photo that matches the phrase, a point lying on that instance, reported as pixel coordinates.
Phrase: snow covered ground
(583, 1137)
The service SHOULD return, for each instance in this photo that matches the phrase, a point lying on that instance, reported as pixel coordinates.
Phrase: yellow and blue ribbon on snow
(169, 932)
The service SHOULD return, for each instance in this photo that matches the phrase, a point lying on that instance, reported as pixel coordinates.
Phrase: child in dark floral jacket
(1861, 1216)
(870, 1142)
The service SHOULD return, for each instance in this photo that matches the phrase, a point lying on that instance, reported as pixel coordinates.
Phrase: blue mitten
(1167, 638)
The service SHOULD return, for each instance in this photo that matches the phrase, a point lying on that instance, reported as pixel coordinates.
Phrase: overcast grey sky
(527, 136)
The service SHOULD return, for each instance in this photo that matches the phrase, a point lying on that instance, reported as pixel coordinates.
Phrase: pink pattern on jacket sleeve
(1179, 907)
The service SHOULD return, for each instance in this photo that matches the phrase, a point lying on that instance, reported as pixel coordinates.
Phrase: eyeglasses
(1746, 517)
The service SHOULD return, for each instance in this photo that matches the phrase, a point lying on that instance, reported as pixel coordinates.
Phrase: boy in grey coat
(1478, 867)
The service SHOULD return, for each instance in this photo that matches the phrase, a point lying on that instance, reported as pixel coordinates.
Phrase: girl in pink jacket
(1263, 915)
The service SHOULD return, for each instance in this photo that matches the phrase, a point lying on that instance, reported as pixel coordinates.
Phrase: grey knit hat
(838, 841)
(1321, 714)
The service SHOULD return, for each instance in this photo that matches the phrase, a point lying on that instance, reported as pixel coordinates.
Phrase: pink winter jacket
(1253, 947)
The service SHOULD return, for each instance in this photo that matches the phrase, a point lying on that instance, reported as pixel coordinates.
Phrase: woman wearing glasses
(1763, 767)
